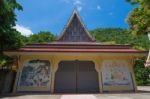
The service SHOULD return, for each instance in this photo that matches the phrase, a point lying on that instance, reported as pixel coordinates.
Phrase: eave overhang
(103, 52)
(77, 48)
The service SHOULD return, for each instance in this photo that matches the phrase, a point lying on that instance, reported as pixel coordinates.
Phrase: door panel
(76, 77)
(65, 81)
(87, 77)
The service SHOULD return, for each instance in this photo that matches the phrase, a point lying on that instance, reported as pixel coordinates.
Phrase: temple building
(75, 63)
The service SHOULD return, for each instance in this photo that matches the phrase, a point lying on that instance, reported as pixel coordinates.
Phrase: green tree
(142, 73)
(120, 36)
(139, 18)
(41, 37)
(112, 35)
(8, 35)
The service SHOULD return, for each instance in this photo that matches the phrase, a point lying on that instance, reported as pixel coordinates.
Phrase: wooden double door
(76, 77)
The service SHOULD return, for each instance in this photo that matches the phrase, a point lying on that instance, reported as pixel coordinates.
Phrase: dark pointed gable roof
(75, 31)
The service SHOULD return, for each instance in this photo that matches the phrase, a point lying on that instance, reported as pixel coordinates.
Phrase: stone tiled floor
(143, 93)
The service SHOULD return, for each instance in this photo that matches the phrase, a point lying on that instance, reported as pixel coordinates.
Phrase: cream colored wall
(55, 59)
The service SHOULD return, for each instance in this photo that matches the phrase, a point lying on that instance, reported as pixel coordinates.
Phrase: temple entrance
(76, 77)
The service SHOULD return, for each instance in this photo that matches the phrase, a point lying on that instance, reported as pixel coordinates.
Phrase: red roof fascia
(79, 50)
(81, 47)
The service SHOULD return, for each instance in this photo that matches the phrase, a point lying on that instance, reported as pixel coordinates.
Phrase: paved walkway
(143, 93)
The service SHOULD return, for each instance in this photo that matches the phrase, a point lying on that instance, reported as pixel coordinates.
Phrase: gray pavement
(143, 93)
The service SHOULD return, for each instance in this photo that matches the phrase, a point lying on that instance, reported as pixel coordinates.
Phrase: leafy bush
(142, 73)
(5, 62)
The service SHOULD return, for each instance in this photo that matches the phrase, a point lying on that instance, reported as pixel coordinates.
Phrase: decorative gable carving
(75, 31)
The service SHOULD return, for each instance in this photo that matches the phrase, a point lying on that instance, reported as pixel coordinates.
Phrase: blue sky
(52, 15)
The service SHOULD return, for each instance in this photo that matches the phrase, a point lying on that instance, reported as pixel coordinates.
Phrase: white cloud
(77, 2)
(23, 30)
(66, 1)
(99, 7)
(79, 8)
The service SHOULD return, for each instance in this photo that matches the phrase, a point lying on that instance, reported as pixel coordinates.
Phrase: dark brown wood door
(65, 77)
(87, 77)
(76, 77)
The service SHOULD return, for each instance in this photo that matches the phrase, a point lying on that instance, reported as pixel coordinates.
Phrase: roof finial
(75, 10)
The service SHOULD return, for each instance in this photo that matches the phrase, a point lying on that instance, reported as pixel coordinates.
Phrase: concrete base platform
(142, 93)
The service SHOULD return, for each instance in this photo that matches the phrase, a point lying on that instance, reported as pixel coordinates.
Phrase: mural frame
(126, 80)
(22, 89)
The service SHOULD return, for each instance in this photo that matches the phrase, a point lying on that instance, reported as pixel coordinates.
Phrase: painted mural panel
(116, 74)
(35, 74)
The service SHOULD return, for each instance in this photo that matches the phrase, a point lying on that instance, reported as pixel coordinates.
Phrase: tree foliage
(139, 23)
(111, 35)
(142, 73)
(18, 40)
(120, 36)
(5, 62)
(139, 18)
(41, 37)
(8, 35)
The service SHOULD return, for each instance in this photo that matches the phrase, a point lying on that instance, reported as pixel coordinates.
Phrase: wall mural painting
(35, 73)
(116, 73)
